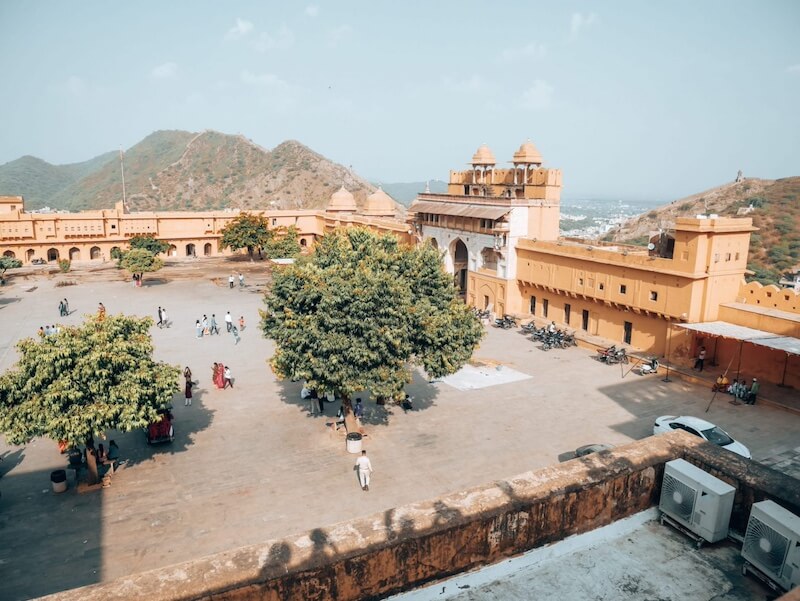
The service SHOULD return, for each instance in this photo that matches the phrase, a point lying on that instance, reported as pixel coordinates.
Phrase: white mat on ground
(470, 377)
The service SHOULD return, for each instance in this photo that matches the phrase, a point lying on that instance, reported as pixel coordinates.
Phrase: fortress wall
(403, 547)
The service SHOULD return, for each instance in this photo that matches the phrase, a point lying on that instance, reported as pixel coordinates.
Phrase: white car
(703, 429)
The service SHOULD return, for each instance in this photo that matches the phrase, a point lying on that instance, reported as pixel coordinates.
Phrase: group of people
(231, 280)
(163, 320)
(739, 389)
(207, 327)
(63, 308)
(48, 331)
(221, 375)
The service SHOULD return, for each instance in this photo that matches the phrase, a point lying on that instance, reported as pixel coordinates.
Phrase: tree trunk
(91, 465)
(250, 253)
(349, 419)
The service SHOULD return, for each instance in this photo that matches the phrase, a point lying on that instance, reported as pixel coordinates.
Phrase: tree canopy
(85, 380)
(149, 242)
(246, 231)
(8, 263)
(362, 310)
(283, 243)
(140, 260)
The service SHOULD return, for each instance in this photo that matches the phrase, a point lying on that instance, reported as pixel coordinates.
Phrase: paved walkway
(250, 464)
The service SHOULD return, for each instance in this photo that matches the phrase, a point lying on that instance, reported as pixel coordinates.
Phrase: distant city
(593, 218)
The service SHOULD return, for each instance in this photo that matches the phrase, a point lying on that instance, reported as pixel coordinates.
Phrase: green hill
(39, 181)
(774, 248)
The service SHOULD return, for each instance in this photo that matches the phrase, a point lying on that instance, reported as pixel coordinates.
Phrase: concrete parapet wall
(404, 547)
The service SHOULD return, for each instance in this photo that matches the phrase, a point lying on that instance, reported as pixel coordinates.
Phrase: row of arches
(96, 253)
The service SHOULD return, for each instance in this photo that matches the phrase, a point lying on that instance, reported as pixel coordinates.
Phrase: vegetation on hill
(39, 181)
(406, 192)
(774, 248)
(179, 170)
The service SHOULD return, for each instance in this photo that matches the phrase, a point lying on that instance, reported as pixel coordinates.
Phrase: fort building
(499, 232)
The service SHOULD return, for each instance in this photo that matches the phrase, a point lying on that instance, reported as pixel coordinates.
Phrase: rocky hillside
(774, 249)
(178, 170)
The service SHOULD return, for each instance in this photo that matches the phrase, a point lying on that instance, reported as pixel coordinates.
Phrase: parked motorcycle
(649, 367)
(506, 322)
(604, 354)
(618, 356)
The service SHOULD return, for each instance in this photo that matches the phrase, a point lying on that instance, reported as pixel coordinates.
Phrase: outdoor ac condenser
(696, 500)
(772, 544)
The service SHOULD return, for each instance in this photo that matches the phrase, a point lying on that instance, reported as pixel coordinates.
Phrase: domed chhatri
(483, 156)
(379, 204)
(527, 154)
(342, 201)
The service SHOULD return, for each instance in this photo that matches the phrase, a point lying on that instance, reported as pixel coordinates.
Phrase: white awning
(787, 344)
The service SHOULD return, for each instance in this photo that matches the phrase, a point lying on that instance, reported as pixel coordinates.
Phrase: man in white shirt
(364, 468)
(228, 321)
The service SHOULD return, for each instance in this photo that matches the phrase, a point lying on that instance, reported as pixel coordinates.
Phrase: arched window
(52, 254)
(94, 253)
(10, 254)
(190, 250)
(207, 249)
(74, 254)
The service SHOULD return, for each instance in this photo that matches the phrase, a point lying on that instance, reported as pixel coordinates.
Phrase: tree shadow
(51, 542)
(7, 300)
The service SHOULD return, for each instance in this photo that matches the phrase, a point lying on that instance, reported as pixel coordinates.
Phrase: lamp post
(669, 339)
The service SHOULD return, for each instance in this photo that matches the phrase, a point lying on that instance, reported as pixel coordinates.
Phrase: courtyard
(250, 463)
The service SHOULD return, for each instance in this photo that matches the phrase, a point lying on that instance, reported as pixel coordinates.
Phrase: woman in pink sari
(219, 376)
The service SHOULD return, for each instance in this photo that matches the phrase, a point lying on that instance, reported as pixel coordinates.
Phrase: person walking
(61, 308)
(364, 469)
(164, 318)
(205, 325)
(235, 333)
(101, 311)
(160, 321)
(187, 374)
(66, 307)
(228, 380)
(358, 411)
(228, 321)
(212, 325)
(241, 323)
(199, 328)
(701, 357)
(241, 280)
(230, 281)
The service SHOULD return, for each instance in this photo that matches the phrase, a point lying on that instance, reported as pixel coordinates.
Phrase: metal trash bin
(354, 442)
(58, 479)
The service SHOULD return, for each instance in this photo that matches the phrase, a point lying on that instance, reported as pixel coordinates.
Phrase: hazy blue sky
(652, 100)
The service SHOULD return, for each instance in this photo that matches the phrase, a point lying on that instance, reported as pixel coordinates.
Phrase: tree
(8, 263)
(85, 380)
(361, 311)
(150, 243)
(140, 261)
(246, 231)
(283, 243)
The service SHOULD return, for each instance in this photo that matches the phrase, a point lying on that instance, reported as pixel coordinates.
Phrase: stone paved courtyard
(249, 463)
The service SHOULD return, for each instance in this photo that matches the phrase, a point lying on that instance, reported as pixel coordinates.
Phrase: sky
(636, 100)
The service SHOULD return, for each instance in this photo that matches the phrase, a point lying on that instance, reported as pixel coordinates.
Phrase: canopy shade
(787, 344)
(459, 210)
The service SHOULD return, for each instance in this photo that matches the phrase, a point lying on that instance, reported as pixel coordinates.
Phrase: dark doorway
(533, 305)
(628, 332)
(545, 307)
(567, 311)
(585, 320)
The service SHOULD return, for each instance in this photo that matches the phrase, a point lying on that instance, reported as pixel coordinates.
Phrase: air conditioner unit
(772, 544)
(696, 501)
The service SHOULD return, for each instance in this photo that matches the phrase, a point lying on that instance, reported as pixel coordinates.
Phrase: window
(716, 257)
(274, 221)
(727, 256)
(533, 305)
(545, 307)
(628, 332)
(623, 289)
(737, 256)
(685, 255)
(601, 286)
(113, 227)
(567, 311)
(653, 295)
(580, 281)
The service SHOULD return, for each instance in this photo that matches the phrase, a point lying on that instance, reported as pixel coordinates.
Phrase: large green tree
(85, 380)
(140, 261)
(8, 263)
(150, 243)
(283, 243)
(361, 311)
(246, 231)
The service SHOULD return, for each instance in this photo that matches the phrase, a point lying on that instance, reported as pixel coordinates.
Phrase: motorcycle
(604, 354)
(618, 356)
(650, 367)
(506, 322)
